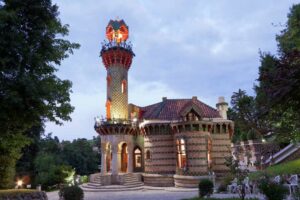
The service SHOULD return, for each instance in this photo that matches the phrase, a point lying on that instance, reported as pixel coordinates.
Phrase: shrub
(273, 191)
(205, 187)
(222, 188)
(71, 193)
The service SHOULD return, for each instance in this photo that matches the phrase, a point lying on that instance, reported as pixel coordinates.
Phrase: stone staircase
(130, 183)
(131, 180)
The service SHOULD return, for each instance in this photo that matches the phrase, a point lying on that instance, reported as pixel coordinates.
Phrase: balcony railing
(118, 121)
(113, 44)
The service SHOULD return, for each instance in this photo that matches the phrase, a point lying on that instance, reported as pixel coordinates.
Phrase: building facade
(172, 142)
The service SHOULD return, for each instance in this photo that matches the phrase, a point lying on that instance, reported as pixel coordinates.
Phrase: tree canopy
(31, 48)
(275, 107)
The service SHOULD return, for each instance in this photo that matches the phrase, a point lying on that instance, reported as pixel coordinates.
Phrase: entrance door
(124, 158)
(137, 159)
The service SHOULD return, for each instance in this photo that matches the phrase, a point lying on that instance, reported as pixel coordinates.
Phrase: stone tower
(117, 56)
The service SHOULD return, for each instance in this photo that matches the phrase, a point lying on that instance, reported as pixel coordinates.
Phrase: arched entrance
(124, 158)
(137, 159)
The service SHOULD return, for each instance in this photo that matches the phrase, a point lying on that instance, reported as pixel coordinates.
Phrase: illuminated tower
(117, 57)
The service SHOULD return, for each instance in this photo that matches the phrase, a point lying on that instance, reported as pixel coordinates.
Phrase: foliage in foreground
(205, 187)
(71, 193)
(272, 190)
(31, 48)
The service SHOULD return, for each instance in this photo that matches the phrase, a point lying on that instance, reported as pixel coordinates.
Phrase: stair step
(113, 190)
(94, 184)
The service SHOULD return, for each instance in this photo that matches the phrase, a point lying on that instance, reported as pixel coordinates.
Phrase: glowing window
(181, 153)
(124, 85)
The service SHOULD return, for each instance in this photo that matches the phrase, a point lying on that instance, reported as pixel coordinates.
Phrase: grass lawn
(292, 167)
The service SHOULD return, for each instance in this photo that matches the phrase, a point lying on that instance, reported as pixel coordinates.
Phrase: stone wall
(158, 180)
(196, 150)
(162, 154)
(220, 150)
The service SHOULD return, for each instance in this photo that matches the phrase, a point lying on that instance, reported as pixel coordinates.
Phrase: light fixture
(19, 183)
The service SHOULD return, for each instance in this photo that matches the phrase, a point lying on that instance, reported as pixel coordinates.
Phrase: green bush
(273, 191)
(205, 187)
(71, 193)
(84, 179)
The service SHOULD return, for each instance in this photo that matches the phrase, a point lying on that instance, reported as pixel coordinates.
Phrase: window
(181, 153)
(124, 86)
(137, 158)
(108, 106)
(148, 154)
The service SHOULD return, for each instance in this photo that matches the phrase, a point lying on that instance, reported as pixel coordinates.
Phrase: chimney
(194, 98)
(222, 107)
(164, 99)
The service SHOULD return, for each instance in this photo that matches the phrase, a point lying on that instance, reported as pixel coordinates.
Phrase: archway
(124, 158)
(137, 159)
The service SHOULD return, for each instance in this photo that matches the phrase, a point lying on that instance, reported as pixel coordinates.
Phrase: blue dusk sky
(183, 49)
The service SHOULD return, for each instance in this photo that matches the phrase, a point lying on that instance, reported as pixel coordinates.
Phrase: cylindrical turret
(117, 57)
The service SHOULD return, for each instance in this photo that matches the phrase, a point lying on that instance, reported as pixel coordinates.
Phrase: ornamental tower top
(117, 31)
(117, 57)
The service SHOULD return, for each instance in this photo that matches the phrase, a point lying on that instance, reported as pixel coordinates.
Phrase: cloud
(183, 49)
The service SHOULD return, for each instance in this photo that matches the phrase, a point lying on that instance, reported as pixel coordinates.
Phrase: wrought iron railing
(106, 45)
(118, 121)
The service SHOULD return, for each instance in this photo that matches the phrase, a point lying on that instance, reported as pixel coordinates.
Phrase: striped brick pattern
(196, 149)
(162, 155)
(220, 150)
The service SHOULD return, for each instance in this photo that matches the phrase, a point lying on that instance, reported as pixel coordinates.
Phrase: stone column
(114, 164)
(103, 158)
(130, 158)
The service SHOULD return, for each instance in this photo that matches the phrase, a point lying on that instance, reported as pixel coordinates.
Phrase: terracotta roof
(172, 109)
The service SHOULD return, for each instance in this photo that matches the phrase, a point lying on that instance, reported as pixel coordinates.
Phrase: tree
(279, 80)
(31, 49)
(80, 155)
(245, 113)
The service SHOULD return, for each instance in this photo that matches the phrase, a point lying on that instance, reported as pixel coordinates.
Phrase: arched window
(181, 153)
(124, 86)
(137, 157)
(148, 156)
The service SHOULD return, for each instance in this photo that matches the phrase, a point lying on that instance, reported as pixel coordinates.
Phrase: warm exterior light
(117, 31)
(263, 140)
(19, 183)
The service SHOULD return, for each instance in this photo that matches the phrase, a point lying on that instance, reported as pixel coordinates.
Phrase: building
(172, 142)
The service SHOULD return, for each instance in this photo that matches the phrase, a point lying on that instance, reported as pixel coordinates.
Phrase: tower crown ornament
(117, 31)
